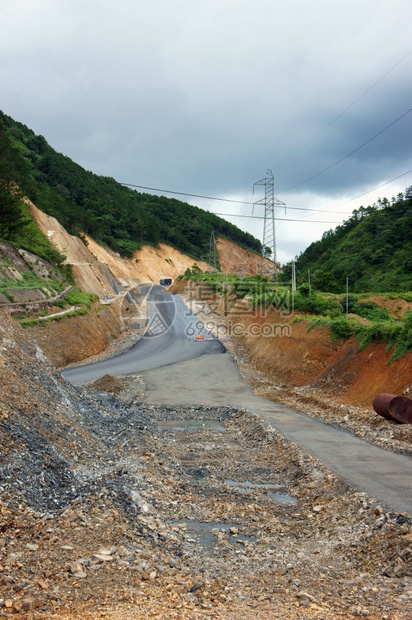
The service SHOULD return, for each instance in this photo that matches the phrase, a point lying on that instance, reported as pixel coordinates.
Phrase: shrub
(317, 304)
(341, 329)
(304, 289)
(77, 298)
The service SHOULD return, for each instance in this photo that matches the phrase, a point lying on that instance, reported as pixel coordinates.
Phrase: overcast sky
(205, 97)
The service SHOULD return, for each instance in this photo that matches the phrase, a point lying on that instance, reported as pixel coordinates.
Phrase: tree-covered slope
(373, 249)
(109, 212)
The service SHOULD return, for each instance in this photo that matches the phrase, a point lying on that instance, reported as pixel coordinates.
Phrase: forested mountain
(115, 215)
(373, 248)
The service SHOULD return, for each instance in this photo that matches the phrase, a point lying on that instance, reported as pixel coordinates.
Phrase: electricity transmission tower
(269, 233)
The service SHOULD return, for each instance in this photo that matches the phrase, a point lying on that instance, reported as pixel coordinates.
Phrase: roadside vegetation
(345, 315)
(31, 281)
(373, 249)
(76, 297)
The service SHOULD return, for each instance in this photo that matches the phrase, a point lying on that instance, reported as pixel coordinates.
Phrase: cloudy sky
(205, 97)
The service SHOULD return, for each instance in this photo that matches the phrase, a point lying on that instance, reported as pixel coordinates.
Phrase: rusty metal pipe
(393, 407)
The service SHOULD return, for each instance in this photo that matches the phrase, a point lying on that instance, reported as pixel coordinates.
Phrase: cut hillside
(100, 270)
(88, 273)
(111, 235)
(149, 264)
(238, 260)
(29, 283)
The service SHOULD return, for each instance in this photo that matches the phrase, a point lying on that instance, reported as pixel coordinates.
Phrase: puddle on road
(207, 534)
(267, 490)
(189, 425)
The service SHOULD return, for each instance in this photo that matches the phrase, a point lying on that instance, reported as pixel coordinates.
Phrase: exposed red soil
(291, 356)
(396, 307)
(357, 376)
(77, 338)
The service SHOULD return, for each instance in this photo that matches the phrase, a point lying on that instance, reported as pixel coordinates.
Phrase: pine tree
(11, 215)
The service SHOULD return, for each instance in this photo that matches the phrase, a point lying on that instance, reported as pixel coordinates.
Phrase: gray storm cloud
(204, 97)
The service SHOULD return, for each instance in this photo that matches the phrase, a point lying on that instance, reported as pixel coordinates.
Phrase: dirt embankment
(89, 274)
(79, 337)
(100, 270)
(235, 259)
(294, 357)
(149, 264)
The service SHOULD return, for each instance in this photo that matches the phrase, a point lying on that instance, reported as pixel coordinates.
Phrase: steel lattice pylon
(269, 233)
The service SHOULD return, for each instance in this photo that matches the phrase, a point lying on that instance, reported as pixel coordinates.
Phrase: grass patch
(31, 281)
(77, 298)
(405, 296)
(59, 317)
(341, 329)
(397, 335)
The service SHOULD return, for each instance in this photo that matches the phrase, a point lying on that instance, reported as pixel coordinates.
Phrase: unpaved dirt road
(206, 377)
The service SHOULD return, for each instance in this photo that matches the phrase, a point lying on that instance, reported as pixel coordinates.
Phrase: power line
(349, 154)
(169, 191)
(345, 110)
(219, 199)
(364, 194)
(245, 202)
(379, 186)
(278, 219)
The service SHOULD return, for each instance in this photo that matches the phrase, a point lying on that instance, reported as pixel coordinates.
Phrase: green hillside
(112, 214)
(373, 249)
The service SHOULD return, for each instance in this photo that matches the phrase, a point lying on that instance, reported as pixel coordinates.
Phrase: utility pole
(293, 276)
(310, 287)
(269, 234)
(347, 298)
